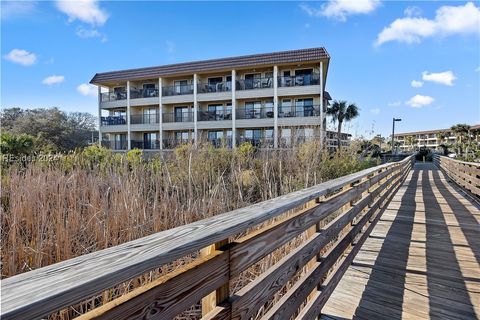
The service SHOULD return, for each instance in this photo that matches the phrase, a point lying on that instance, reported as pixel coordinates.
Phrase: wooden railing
(329, 223)
(465, 174)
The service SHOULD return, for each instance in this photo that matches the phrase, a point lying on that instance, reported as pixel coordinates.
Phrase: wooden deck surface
(421, 260)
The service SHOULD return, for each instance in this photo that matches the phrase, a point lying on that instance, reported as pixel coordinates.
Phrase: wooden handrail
(43, 291)
(465, 174)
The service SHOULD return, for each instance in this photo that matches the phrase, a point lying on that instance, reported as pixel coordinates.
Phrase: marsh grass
(94, 199)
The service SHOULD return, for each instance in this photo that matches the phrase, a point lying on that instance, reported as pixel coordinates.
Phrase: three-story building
(271, 100)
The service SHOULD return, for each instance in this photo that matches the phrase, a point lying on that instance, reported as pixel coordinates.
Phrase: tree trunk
(338, 135)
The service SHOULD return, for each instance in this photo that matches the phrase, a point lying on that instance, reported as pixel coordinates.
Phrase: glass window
(180, 86)
(182, 114)
(253, 109)
(149, 115)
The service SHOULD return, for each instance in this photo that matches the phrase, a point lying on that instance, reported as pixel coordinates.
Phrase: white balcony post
(195, 109)
(129, 141)
(99, 116)
(275, 107)
(234, 109)
(321, 105)
(160, 115)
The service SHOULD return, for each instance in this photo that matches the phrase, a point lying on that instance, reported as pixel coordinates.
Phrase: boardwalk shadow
(446, 284)
(468, 223)
(382, 297)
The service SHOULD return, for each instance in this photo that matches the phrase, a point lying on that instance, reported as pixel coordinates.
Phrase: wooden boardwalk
(421, 260)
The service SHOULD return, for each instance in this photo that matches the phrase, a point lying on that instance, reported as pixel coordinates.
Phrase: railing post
(212, 300)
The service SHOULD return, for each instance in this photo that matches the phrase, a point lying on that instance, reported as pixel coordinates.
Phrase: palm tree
(410, 140)
(460, 131)
(340, 111)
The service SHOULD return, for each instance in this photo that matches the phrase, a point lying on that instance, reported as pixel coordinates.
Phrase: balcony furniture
(269, 114)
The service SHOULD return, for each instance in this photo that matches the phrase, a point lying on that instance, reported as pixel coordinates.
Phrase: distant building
(429, 138)
(332, 141)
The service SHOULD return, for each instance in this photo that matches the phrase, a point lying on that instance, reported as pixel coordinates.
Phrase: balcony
(179, 117)
(296, 111)
(144, 118)
(258, 142)
(214, 115)
(177, 90)
(251, 84)
(143, 93)
(174, 143)
(214, 87)
(145, 144)
(297, 81)
(113, 120)
(113, 96)
(221, 142)
(115, 144)
(255, 113)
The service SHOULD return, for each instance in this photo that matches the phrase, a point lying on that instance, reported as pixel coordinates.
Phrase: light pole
(393, 132)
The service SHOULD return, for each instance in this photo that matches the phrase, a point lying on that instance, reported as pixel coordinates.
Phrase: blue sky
(51, 50)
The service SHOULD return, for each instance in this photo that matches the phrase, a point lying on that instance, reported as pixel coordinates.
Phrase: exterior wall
(165, 105)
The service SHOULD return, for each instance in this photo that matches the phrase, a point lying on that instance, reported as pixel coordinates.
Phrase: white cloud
(87, 11)
(21, 56)
(419, 101)
(88, 90)
(394, 104)
(412, 11)
(448, 20)
(90, 33)
(53, 80)
(341, 9)
(477, 70)
(445, 78)
(375, 111)
(416, 84)
(12, 9)
(170, 46)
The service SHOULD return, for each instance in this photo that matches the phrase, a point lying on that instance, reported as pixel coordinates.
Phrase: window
(150, 115)
(149, 90)
(253, 109)
(304, 107)
(120, 141)
(182, 136)
(228, 111)
(215, 112)
(182, 114)
(286, 136)
(252, 81)
(303, 77)
(150, 140)
(180, 86)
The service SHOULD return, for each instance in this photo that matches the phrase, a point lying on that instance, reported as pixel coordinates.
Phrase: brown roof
(292, 56)
(472, 127)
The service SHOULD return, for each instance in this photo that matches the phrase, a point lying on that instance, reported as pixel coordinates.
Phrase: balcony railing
(296, 111)
(145, 144)
(258, 142)
(115, 144)
(255, 113)
(182, 117)
(250, 84)
(217, 87)
(144, 118)
(143, 93)
(303, 80)
(214, 115)
(177, 90)
(221, 142)
(173, 143)
(113, 96)
(113, 120)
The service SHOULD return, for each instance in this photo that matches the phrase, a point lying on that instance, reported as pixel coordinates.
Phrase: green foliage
(134, 157)
(16, 145)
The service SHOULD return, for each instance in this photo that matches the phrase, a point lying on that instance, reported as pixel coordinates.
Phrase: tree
(411, 141)
(16, 145)
(53, 129)
(461, 131)
(340, 112)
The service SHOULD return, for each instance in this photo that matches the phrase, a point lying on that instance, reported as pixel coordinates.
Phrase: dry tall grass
(94, 199)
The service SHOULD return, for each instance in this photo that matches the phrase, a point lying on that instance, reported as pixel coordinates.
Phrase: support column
(129, 137)
(99, 116)
(160, 115)
(234, 109)
(322, 115)
(275, 107)
(195, 109)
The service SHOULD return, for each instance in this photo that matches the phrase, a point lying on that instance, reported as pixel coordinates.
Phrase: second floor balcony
(224, 86)
(255, 83)
(177, 90)
(215, 115)
(113, 96)
(185, 116)
(300, 80)
(143, 93)
(298, 111)
(113, 120)
(255, 112)
(144, 118)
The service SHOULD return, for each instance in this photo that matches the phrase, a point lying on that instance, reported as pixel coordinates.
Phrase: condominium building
(271, 100)
(431, 139)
